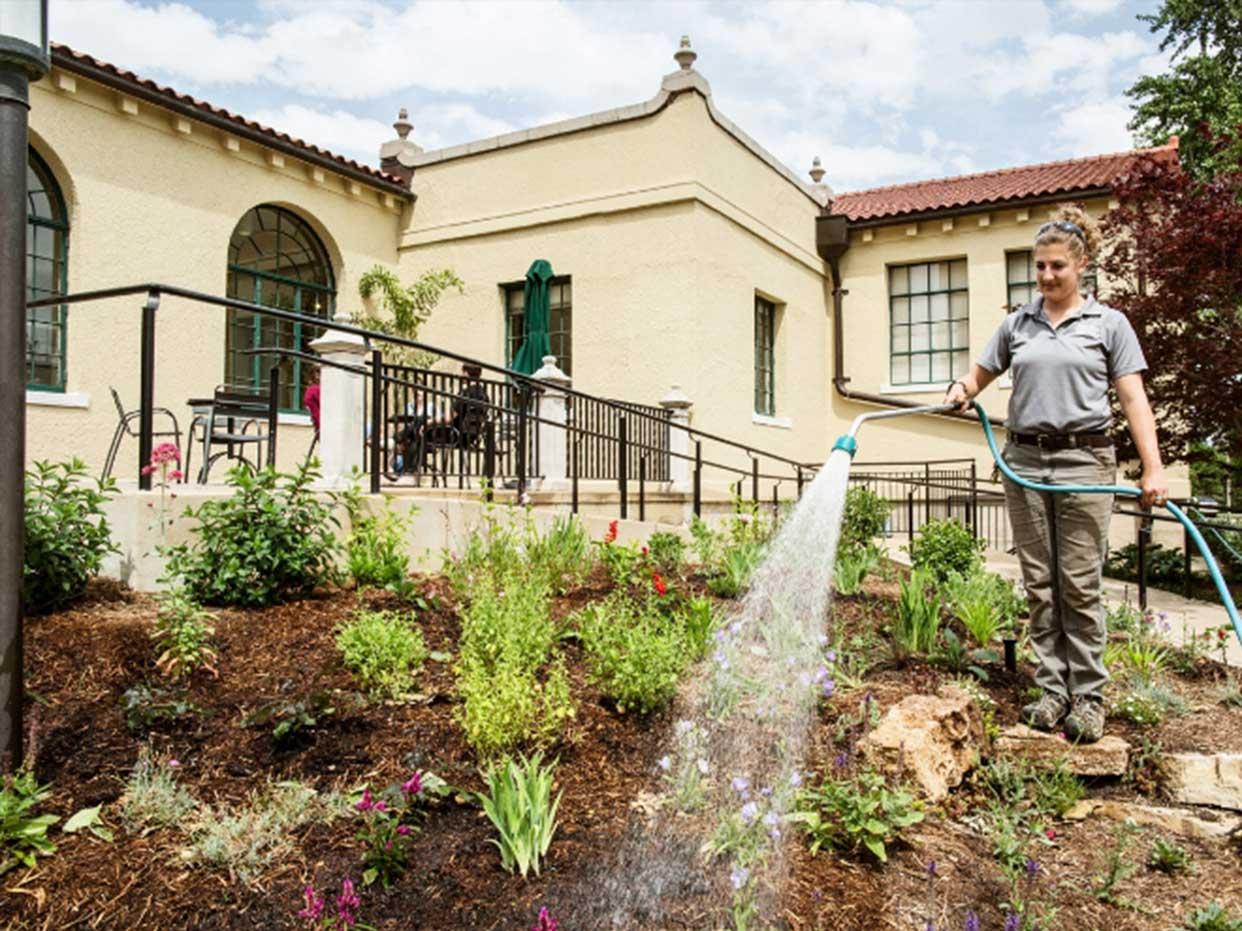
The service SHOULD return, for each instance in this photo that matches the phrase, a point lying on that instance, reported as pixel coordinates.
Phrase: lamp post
(23, 58)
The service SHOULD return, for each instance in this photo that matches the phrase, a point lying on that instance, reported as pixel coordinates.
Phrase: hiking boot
(1045, 714)
(1085, 723)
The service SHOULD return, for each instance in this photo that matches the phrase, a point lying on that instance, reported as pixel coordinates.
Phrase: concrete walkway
(1197, 616)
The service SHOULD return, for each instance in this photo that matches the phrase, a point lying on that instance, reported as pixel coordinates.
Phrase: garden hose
(1129, 492)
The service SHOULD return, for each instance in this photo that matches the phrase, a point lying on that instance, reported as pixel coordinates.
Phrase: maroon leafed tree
(1173, 260)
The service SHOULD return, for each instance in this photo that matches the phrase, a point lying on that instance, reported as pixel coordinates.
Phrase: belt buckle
(1042, 439)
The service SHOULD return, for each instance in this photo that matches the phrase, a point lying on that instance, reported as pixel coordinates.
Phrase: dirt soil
(80, 661)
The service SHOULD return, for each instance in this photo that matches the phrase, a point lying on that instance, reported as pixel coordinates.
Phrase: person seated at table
(406, 440)
(470, 406)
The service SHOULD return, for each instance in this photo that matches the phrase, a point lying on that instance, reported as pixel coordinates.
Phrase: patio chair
(123, 429)
(234, 413)
(434, 450)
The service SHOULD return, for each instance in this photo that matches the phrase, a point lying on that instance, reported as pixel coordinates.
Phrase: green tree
(400, 310)
(1200, 99)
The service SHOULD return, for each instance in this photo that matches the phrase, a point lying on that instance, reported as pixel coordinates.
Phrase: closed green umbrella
(536, 344)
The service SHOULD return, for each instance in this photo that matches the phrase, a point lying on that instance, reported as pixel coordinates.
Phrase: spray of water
(737, 754)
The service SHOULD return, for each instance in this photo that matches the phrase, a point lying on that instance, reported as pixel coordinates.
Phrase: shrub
(152, 798)
(491, 549)
(562, 555)
(23, 834)
(635, 654)
(942, 547)
(270, 542)
(182, 634)
(1055, 790)
(699, 623)
(1166, 857)
(375, 552)
(667, 551)
(520, 806)
(67, 535)
(984, 602)
(1163, 564)
(383, 650)
(850, 814)
(705, 543)
(863, 519)
(1212, 917)
(918, 615)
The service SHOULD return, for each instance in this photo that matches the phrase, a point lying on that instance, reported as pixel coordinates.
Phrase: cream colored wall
(150, 203)
(668, 227)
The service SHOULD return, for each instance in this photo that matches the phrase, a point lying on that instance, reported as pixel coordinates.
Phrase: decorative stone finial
(685, 55)
(817, 170)
(676, 400)
(403, 125)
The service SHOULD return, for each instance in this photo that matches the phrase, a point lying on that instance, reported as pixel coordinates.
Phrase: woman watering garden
(1064, 351)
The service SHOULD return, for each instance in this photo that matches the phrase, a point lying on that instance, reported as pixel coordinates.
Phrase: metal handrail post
(1186, 562)
(523, 399)
(754, 479)
(489, 459)
(146, 413)
(273, 412)
(799, 483)
(573, 474)
(623, 463)
(974, 500)
(698, 478)
(642, 487)
(377, 418)
(910, 514)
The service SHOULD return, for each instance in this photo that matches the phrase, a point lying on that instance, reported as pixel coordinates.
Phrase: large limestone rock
(934, 739)
(1204, 825)
(1108, 757)
(1205, 778)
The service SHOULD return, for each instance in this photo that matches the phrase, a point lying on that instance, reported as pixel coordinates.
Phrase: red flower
(645, 552)
(611, 535)
(658, 581)
(1222, 633)
(1051, 834)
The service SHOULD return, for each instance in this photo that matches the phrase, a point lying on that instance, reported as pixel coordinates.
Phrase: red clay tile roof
(90, 67)
(1073, 176)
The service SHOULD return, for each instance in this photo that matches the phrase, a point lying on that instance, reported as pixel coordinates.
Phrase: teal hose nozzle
(847, 443)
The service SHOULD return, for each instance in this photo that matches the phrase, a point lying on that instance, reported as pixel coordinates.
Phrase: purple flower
(930, 926)
(1032, 868)
(546, 922)
(823, 640)
(346, 904)
(366, 803)
(829, 688)
(750, 811)
(972, 921)
(821, 674)
(841, 760)
(314, 905)
(771, 819)
(1013, 922)
(831, 656)
(740, 785)
(931, 868)
(765, 791)
(413, 785)
(795, 779)
(739, 876)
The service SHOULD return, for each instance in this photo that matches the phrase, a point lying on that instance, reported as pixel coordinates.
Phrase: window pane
(940, 367)
(920, 369)
(940, 336)
(957, 277)
(901, 339)
(959, 305)
(938, 276)
(918, 278)
(900, 370)
(919, 337)
(961, 364)
(918, 308)
(961, 333)
(901, 310)
(940, 307)
(1019, 267)
(899, 281)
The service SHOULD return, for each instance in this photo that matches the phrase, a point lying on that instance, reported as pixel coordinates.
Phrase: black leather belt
(1095, 439)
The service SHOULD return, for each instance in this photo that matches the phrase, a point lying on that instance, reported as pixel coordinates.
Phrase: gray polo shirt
(1061, 376)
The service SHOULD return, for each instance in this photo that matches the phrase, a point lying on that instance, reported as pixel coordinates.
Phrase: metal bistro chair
(434, 452)
(228, 423)
(123, 429)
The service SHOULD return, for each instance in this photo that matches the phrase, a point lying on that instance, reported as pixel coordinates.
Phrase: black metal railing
(594, 425)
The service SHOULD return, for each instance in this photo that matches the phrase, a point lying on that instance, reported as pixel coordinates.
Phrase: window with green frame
(1020, 278)
(765, 357)
(47, 257)
(929, 322)
(276, 260)
(560, 320)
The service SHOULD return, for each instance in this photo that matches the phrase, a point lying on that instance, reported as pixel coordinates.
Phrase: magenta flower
(366, 803)
(545, 921)
(314, 905)
(404, 830)
(347, 904)
(413, 786)
(166, 452)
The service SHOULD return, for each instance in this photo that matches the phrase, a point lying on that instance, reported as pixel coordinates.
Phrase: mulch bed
(80, 661)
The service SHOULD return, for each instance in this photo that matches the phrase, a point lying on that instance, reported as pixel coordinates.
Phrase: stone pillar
(342, 419)
(680, 470)
(553, 437)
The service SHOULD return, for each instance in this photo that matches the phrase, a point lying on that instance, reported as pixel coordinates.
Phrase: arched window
(275, 259)
(47, 253)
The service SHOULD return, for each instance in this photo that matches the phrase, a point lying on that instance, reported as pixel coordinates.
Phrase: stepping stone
(1205, 778)
(933, 739)
(1203, 825)
(1108, 757)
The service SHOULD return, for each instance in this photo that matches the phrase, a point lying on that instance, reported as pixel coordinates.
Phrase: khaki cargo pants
(1067, 629)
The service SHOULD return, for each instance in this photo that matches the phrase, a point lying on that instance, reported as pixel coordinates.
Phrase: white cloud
(339, 131)
(1055, 64)
(1095, 128)
(1090, 8)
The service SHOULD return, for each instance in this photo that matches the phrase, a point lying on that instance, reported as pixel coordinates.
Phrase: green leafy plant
(738, 564)
(852, 566)
(490, 550)
(292, 716)
(667, 551)
(401, 310)
(635, 654)
(1167, 857)
(863, 519)
(957, 658)
(1055, 789)
(520, 806)
(1212, 917)
(1146, 768)
(699, 623)
(1148, 703)
(271, 541)
(1116, 867)
(388, 823)
(851, 814)
(918, 615)
(942, 547)
(182, 633)
(67, 535)
(145, 707)
(23, 834)
(375, 551)
(152, 797)
(705, 543)
(383, 650)
(1140, 656)
(1163, 564)
(563, 555)
(1230, 693)
(984, 602)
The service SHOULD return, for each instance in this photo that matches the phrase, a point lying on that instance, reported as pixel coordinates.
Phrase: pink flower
(346, 904)
(404, 830)
(174, 763)
(381, 806)
(148, 469)
(546, 922)
(1051, 834)
(414, 785)
(166, 452)
(176, 475)
(314, 905)
(366, 803)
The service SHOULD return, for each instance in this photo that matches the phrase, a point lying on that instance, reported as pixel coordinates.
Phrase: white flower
(665, 763)
(702, 764)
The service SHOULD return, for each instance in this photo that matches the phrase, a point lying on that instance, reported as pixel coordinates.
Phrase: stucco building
(684, 252)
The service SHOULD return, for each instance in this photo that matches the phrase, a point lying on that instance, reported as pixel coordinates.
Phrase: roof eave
(939, 213)
(141, 91)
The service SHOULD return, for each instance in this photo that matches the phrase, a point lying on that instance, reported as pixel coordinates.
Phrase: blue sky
(883, 92)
